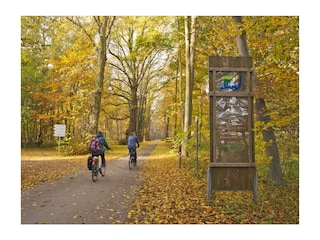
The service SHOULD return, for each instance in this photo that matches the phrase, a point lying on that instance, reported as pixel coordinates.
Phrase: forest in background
(129, 73)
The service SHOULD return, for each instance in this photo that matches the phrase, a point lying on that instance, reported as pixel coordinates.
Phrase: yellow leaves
(170, 195)
(35, 168)
(38, 172)
(130, 213)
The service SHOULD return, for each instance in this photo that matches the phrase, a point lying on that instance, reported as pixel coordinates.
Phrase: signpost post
(197, 145)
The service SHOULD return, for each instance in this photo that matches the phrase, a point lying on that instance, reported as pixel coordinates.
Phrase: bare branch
(79, 25)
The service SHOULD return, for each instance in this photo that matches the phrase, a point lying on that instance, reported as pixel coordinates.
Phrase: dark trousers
(134, 153)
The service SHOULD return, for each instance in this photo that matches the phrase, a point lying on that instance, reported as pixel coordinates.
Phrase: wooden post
(180, 156)
(197, 146)
(209, 183)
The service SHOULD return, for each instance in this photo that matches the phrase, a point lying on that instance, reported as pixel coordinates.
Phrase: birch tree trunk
(179, 59)
(275, 173)
(190, 33)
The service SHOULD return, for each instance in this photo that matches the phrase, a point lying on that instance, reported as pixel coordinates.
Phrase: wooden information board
(232, 163)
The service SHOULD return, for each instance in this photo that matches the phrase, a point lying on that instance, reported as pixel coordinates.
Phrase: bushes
(74, 148)
(289, 162)
(70, 146)
(123, 141)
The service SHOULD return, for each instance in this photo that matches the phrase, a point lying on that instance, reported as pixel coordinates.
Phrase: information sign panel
(59, 130)
(232, 164)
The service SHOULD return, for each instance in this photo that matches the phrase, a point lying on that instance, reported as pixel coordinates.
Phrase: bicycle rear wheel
(130, 162)
(94, 172)
(103, 170)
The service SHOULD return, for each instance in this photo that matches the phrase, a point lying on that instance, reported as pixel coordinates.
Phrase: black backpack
(90, 162)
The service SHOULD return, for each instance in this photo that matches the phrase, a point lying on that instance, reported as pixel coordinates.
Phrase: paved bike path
(77, 199)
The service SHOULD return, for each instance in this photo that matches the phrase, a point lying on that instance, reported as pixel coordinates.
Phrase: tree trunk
(192, 55)
(190, 49)
(104, 33)
(142, 123)
(275, 173)
(180, 82)
(101, 52)
(133, 110)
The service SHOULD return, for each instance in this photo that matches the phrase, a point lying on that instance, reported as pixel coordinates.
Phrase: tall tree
(73, 62)
(190, 36)
(104, 30)
(138, 55)
(275, 173)
(179, 78)
(37, 113)
(99, 40)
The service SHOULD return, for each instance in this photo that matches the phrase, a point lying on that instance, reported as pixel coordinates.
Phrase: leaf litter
(172, 195)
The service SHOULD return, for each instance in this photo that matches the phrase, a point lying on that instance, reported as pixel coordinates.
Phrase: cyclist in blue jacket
(103, 143)
(133, 143)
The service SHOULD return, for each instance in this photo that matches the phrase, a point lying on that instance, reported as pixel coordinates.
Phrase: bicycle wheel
(103, 170)
(130, 162)
(94, 172)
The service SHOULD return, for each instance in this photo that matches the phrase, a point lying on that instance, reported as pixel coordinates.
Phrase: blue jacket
(103, 143)
(132, 141)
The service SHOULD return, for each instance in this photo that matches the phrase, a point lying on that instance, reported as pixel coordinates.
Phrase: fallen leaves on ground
(45, 165)
(171, 195)
(34, 173)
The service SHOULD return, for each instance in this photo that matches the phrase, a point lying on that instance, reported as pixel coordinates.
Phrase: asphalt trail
(77, 199)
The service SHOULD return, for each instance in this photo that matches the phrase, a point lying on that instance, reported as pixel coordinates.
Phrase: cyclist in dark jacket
(103, 143)
(133, 143)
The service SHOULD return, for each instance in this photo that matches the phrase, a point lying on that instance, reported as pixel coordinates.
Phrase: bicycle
(97, 167)
(132, 159)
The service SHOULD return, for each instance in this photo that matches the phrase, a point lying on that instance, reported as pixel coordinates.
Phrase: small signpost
(59, 130)
(197, 144)
(232, 163)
